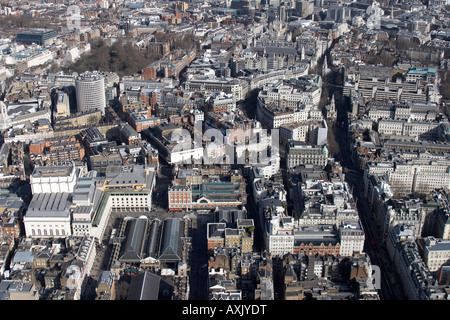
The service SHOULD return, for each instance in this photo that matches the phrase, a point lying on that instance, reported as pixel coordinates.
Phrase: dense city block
(244, 150)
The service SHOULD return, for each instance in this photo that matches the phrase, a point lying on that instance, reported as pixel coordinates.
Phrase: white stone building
(280, 235)
(436, 253)
(90, 92)
(48, 215)
(51, 179)
(352, 238)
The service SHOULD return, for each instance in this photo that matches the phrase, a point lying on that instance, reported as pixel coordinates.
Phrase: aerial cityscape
(237, 150)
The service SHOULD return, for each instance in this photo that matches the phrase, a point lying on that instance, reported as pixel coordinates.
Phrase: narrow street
(390, 285)
(198, 280)
(253, 213)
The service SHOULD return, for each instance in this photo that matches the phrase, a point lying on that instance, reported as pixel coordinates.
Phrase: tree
(121, 57)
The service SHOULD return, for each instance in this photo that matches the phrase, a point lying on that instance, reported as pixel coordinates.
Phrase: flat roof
(440, 246)
(53, 171)
(37, 31)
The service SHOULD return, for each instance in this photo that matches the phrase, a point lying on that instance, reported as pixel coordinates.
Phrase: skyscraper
(90, 91)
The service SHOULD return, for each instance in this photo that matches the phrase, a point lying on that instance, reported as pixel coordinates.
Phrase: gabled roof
(144, 286)
(170, 249)
(136, 236)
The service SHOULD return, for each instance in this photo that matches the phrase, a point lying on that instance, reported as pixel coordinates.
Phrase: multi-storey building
(311, 131)
(240, 236)
(57, 150)
(222, 102)
(124, 188)
(62, 106)
(285, 102)
(300, 154)
(280, 235)
(207, 195)
(326, 203)
(352, 238)
(264, 78)
(321, 239)
(436, 253)
(48, 215)
(38, 35)
(50, 179)
(175, 144)
(377, 83)
(11, 208)
(427, 75)
(422, 129)
(238, 88)
(411, 175)
(90, 92)
(140, 120)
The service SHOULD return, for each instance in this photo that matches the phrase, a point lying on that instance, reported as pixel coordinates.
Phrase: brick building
(58, 149)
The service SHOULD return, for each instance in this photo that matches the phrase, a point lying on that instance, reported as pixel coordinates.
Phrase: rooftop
(53, 171)
(54, 204)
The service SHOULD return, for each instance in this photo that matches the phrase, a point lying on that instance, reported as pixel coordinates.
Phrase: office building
(90, 92)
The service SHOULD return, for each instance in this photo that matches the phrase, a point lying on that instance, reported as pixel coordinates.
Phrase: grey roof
(129, 131)
(144, 286)
(106, 277)
(23, 257)
(152, 246)
(230, 216)
(170, 249)
(134, 174)
(136, 236)
(13, 285)
(49, 204)
(85, 188)
(276, 50)
(216, 230)
(231, 232)
(440, 246)
(53, 171)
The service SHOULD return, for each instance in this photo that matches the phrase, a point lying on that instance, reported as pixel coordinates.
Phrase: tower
(90, 92)
(5, 121)
(331, 109)
(282, 13)
(332, 104)
(325, 69)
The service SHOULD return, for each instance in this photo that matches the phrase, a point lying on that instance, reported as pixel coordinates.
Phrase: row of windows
(81, 226)
(129, 200)
(46, 232)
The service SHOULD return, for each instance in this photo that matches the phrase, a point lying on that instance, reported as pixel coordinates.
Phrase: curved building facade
(90, 91)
